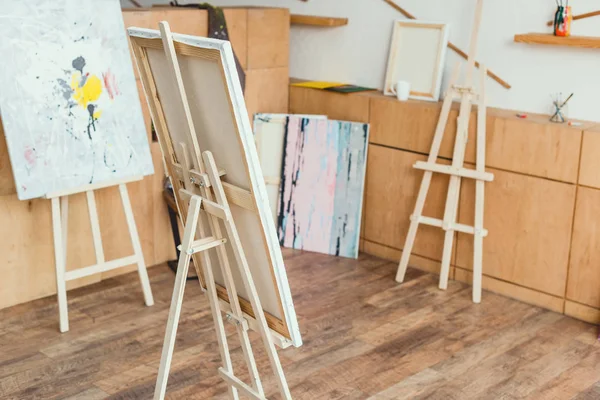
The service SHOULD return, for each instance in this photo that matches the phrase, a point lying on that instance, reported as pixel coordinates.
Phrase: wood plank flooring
(365, 337)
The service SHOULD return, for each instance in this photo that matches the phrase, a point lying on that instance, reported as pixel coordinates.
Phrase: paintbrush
(561, 106)
(568, 98)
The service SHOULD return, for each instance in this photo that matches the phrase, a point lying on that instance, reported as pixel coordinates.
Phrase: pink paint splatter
(29, 155)
(110, 83)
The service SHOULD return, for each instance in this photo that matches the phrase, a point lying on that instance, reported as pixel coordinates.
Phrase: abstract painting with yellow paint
(69, 101)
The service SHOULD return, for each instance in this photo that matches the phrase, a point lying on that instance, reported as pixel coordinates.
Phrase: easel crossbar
(97, 268)
(438, 223)
(204, 244)
(209, 206)
(450, 170)
(241, 386)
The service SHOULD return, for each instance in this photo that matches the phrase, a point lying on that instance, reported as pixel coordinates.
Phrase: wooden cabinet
(542, 210)
(268, 37)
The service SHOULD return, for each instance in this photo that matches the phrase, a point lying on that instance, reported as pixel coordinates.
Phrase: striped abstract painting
(322, 184)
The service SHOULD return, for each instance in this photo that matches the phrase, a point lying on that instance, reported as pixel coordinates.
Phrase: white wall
(357, 53)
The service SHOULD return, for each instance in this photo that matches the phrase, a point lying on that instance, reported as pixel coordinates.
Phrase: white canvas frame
(404, 50)
(190, 46)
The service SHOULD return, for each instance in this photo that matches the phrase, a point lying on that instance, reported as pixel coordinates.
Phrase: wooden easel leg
(95, 224)
(236, 309)
(414, 226)
(452, 199)
(137, 247)
(177, 299)
(211, 289)
(59, 228)
(247, 279)
(213, 299)
(479, 191)
(435, 148)
(215, 228)
(447, 255)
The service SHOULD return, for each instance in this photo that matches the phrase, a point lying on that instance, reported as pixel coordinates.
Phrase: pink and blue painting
(68, 99)
(322, 184)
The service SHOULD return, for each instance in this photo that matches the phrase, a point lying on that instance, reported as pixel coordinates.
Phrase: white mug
(401, 89)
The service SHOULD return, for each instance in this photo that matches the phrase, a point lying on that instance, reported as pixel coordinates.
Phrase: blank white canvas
(417, 55)
(411, 68)
(68, 97)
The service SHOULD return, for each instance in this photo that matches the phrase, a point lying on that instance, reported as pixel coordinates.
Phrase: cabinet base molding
(511, 290)
(582, 312)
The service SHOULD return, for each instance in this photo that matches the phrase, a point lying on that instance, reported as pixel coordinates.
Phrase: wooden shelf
(313, 20)
(587, 42)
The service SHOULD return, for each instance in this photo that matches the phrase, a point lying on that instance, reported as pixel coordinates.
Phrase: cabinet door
(584, 268)
(529, 222)
(410, 125)
(538, 148)
(392, 188)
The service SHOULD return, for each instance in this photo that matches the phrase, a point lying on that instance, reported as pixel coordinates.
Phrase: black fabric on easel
(217, 29)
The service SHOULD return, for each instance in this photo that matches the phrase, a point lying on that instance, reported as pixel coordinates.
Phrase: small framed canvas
(417, 55)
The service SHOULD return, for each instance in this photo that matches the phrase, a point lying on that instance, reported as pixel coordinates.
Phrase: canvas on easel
(69, 102)
(198, 109)
(72, 118)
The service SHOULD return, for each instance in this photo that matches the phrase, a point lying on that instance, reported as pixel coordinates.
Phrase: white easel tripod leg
(247, 279)
(177, 299)
(137, 247)
(60, 229)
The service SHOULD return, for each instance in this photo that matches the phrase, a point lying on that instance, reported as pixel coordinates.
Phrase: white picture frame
(417, 55)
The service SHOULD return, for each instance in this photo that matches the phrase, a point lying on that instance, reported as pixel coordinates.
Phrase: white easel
(200, 174)
(456, 171)
(60, 214)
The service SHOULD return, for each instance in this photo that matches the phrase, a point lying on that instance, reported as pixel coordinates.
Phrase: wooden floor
(365, 336)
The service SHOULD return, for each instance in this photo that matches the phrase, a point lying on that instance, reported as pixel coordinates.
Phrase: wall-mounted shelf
(588, 42)
(314, 20)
